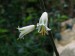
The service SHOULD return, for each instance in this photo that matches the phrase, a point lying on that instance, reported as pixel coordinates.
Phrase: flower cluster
(41, 26)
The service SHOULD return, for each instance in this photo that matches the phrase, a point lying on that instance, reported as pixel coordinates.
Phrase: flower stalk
(42, 27)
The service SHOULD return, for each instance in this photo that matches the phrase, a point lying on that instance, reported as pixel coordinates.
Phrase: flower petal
(44, 19)
(42, 25)
(26, 30)
(48, 29)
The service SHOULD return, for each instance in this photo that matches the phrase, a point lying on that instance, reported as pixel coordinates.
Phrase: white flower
(25, 30)
(43, 23)
(41, 26)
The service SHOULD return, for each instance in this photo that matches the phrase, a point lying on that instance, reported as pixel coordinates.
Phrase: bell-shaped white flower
(25, 30)
(43, 23)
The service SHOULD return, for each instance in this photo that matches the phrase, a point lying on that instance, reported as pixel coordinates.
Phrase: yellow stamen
(43, 30)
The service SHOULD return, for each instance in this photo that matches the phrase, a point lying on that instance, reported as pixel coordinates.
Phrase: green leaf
(3, 30)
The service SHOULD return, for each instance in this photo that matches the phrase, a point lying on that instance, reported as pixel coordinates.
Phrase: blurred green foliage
(63, 17)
